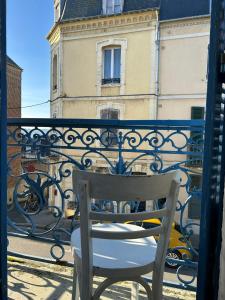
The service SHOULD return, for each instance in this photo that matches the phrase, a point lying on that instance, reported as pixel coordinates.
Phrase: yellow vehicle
(176, 240)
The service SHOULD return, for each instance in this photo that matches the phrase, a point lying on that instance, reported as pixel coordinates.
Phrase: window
(120, 64)
(55, 67)
(113, 7)
(109, 136)
(112, 65)
(194, 205)
(197, 113)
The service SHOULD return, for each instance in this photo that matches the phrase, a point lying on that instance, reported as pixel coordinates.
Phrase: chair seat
(118, 254)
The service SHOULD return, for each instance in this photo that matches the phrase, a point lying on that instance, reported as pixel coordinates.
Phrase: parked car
(176, 240)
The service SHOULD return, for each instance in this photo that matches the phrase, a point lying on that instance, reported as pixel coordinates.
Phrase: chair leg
(75, 291)
(135, 291)
(157, 287)
(85, 287)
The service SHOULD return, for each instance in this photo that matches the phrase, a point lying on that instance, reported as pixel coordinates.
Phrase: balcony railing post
(3, 154)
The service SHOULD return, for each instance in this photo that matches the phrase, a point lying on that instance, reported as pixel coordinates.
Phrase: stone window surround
(119, 106)
(99, 50)
(100, 107)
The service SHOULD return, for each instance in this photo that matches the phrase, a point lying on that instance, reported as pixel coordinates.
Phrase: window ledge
(108, 85)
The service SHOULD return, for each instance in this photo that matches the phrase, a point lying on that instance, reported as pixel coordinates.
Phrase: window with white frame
(112, 7)
(111, 65)
(55, 72)
(109, 135)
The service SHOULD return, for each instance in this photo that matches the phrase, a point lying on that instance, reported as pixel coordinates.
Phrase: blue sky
(28, 22)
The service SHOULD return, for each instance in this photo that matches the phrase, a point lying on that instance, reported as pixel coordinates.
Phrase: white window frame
(105, 7)
(114, 42)
(112, 62)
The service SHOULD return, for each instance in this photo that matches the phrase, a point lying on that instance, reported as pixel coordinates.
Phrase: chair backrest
(119, 188)
(125, 188)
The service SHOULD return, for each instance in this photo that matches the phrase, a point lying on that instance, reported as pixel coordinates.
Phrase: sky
(28, 23)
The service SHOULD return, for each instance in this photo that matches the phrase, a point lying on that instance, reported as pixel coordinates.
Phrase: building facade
(14, 77)
(130, 60)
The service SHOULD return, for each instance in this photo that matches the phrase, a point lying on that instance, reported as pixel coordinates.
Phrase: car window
(148, 225)
(177, 227)
(136, 223)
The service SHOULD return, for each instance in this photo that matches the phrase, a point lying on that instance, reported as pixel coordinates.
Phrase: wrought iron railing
(42, 154)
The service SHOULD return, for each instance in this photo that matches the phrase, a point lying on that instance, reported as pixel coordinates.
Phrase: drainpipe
(157, 62)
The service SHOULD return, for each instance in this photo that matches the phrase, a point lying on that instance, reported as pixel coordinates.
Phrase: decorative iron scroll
(43, 154)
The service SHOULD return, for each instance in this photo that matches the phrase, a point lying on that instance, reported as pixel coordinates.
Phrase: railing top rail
(96, 123)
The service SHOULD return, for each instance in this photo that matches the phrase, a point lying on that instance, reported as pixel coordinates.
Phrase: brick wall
(14, 111)
(14, 91)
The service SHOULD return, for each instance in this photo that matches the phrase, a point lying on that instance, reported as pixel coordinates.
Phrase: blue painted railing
(42, 154)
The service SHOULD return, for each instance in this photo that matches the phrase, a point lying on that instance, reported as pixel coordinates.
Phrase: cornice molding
(185, 23)
(112, 22)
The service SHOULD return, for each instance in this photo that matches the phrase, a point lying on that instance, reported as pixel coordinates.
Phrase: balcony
(42, 211)
(41, 281)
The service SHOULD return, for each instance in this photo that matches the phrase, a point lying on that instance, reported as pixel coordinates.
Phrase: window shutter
(113, 114)
(197, 112)
(104, 114)
(194, 205)
(194, 208)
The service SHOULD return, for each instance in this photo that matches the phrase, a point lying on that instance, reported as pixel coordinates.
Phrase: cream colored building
(129, 60)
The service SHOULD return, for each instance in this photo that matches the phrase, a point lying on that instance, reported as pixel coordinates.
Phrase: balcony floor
(31, 280)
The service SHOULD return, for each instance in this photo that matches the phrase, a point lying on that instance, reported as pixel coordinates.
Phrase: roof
(177, 9)
(169, 9)
(77, 9)
(12, 63)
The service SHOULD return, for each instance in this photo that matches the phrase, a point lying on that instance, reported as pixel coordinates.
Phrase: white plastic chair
(119, 251)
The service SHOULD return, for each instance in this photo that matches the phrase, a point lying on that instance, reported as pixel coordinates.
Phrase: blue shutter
(117, 63)
(107, 64)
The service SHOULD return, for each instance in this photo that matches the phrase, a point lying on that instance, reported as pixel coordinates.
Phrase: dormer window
(111, 7)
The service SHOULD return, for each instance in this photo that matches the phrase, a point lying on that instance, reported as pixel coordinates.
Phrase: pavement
(37, 281)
